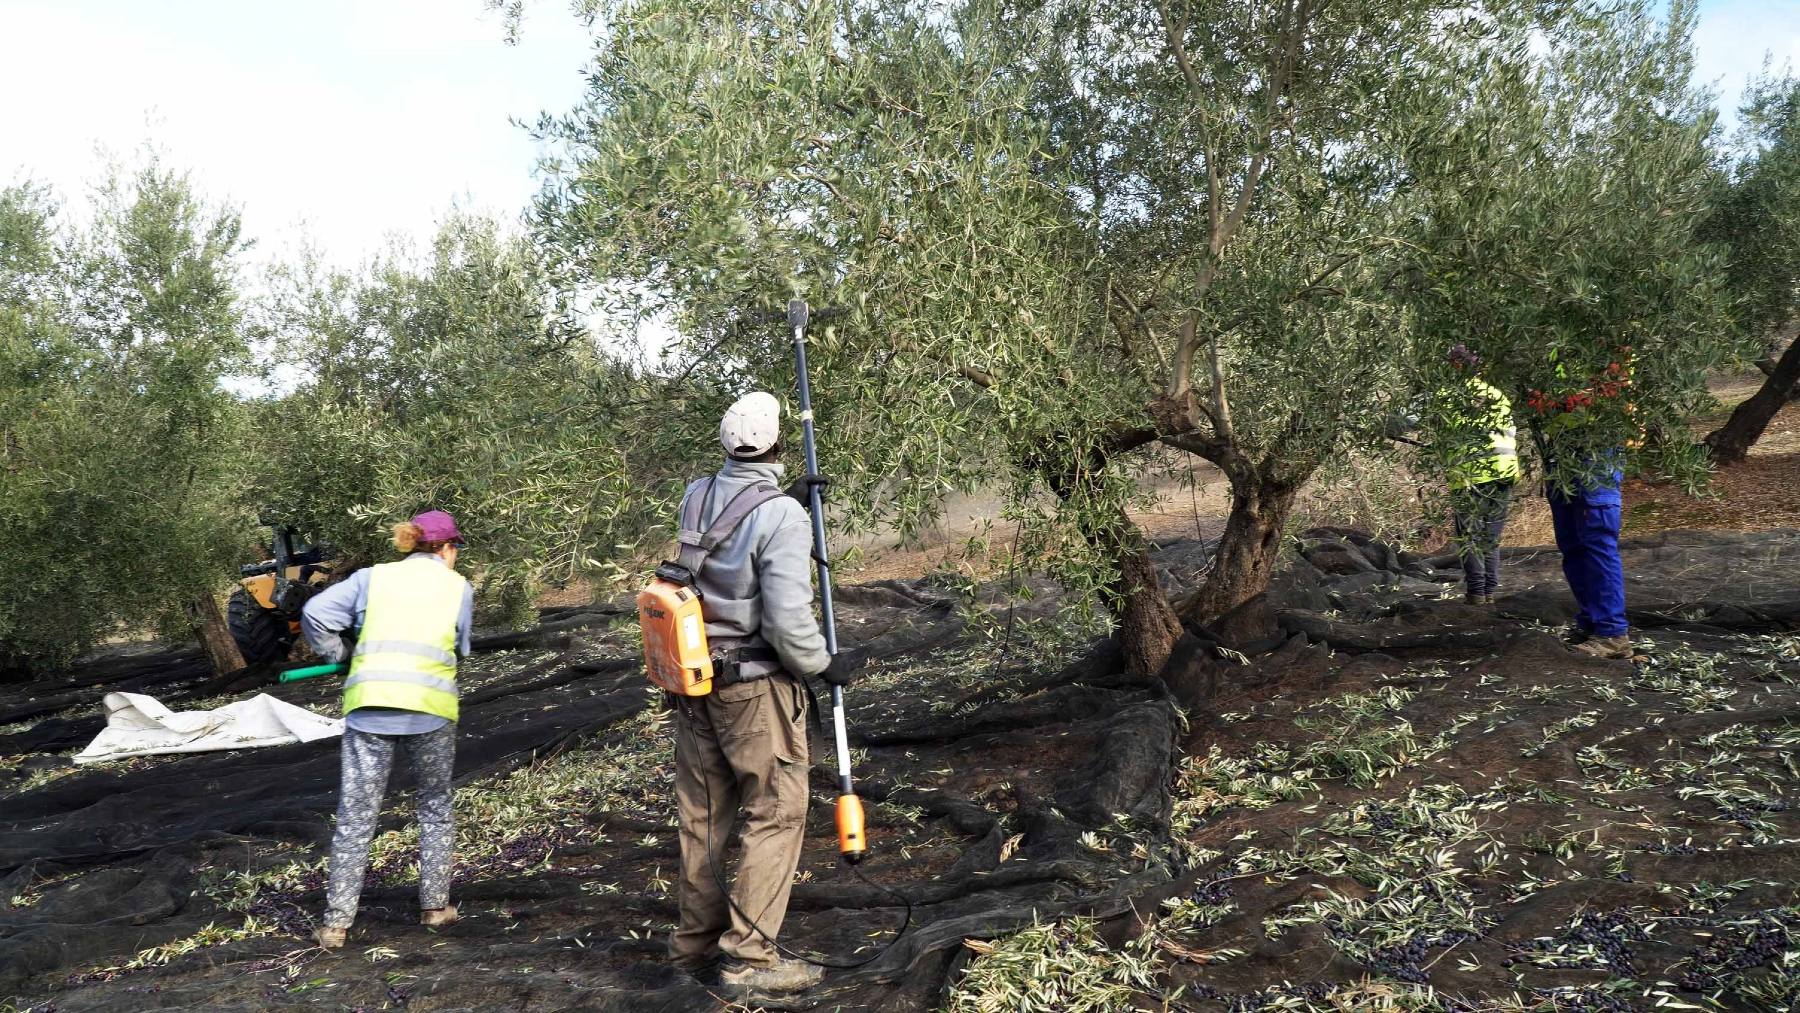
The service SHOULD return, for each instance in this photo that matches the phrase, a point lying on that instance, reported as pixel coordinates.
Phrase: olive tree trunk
(1147, 624)
(1731, 442)
(214, 635)
(1249, 548)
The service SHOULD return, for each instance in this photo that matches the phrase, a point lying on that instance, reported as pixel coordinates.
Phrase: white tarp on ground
(138, 725)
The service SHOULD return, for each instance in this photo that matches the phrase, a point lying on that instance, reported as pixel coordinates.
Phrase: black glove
(844, 667)
(802, 489)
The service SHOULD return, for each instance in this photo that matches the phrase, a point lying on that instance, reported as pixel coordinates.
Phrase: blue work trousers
(1587, 535)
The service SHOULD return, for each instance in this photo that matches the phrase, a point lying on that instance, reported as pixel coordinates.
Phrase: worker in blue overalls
(1583, 484)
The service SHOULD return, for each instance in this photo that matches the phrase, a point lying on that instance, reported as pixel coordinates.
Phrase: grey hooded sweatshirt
(757, 584)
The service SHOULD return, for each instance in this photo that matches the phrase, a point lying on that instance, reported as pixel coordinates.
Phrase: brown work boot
(329, 938)
(782, 978)
(1487, 599)
(1471, 598)
(438, 917)
(1575, 636)
(1618, 648)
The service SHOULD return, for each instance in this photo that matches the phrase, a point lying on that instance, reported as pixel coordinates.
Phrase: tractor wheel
(261, 635)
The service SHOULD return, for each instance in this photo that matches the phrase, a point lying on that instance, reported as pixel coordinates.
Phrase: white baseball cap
(751, 425)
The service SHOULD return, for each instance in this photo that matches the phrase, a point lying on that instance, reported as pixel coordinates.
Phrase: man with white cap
(744, 744)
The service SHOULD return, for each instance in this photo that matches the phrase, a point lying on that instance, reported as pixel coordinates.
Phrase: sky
(1734, 36)
(345, 121)
(350, 122)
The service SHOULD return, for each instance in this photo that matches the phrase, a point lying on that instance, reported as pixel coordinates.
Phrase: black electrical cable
(712, 862)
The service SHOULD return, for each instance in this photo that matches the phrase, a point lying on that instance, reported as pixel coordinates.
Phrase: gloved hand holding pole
(851, 841)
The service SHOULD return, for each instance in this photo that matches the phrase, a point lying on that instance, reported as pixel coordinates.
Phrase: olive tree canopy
(1062, 232)
(1756, 216)
(460, 380)
(120, 484)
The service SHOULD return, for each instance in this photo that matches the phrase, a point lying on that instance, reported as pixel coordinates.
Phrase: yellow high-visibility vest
(406, 655)
(1498, 459)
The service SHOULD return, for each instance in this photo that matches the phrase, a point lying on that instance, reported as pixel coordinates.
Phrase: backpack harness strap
(696, 544)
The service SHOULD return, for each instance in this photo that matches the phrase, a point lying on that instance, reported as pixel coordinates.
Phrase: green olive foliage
(459, 380)
(1756, 213)
(1061, 231)
(1576, 263)
(121, 499)
(1756, 217)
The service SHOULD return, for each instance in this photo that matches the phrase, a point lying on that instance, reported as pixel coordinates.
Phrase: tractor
(264, 610)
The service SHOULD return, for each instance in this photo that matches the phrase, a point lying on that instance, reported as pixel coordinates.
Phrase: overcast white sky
(353, 121)
(348, 121)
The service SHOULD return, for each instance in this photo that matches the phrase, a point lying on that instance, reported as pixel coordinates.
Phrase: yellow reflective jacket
(406, 654)
(1479, 407)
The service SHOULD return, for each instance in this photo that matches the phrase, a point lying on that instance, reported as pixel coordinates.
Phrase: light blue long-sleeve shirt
(342, 607)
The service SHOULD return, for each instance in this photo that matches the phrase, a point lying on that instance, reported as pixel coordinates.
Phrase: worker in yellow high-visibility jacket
(400, 696)
(1478, 448)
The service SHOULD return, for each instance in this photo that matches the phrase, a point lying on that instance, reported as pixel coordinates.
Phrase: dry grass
(1761, 493)
(1529, 523)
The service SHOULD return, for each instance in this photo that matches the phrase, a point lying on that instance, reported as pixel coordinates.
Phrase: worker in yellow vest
(1478, 448)
(400, 695)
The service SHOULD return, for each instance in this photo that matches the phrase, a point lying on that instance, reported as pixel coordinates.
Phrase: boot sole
(746, 991)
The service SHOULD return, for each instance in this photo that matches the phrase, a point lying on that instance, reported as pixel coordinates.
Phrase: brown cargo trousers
(741, 744)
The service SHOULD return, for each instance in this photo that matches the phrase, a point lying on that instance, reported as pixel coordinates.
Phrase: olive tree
(459, 380)
(1576, 264)
(1757, 219)
(121, 494)
(1060, 233)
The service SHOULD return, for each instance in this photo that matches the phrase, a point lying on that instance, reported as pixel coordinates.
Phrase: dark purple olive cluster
(1608, 934)
(1403, 961)
(1665, 848)
(1254, 1001)
(528, 849)
(284, 910)
(1382, 817)
(1400, 962)
(1739, 948)
(1216, 890)
(1587, 999)
(1745, 815)
(399, 996)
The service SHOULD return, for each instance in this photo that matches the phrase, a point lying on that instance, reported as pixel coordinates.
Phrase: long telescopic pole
(851, 841)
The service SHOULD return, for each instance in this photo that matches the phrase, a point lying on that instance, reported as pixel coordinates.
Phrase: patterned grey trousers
(367, 758)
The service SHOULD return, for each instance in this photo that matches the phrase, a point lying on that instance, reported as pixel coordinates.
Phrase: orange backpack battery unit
(676, 655)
